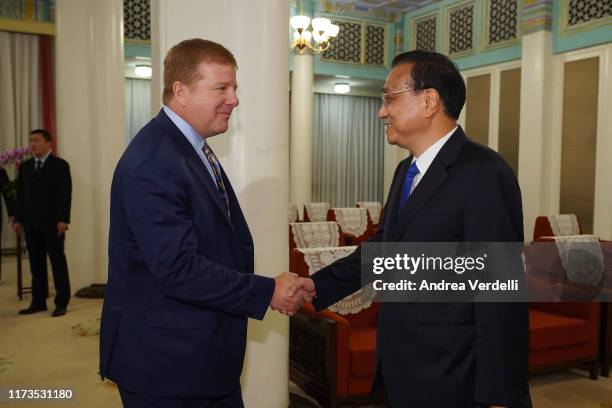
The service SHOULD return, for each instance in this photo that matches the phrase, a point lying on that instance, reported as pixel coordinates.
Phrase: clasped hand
(291, 292)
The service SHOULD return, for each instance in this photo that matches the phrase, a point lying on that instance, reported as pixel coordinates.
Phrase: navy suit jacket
(447, 354)
(180, 277)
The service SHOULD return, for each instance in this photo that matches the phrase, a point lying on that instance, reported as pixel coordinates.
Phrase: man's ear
(180, 91)
(431, 99)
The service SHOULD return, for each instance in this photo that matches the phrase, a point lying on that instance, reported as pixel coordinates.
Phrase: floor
(38, 351)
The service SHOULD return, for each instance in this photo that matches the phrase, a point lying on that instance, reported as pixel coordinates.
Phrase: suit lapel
(435, 176)
(46, 166)
(432, 180)
(393, 201)
(237, 217)
(201, 172)
(36, 175)
(194, 163)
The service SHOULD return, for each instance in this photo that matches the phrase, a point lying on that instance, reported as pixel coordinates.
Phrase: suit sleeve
(343, 277)
(8, 200)
(494, 214)
(157, 207)
(64, 193)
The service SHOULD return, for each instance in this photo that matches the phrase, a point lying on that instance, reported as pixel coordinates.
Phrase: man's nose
(382, 112)
(233, 99)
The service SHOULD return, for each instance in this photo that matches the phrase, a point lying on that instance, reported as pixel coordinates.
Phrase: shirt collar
(427, 157)
(192, 136)
(44, 158)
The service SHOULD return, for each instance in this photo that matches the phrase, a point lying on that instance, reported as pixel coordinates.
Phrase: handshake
(291, 292)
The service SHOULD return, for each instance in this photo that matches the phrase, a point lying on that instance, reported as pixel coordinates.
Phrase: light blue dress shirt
(192, 136)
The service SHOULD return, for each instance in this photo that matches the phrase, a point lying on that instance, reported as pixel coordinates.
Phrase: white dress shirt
(42, 160)
(427, 157)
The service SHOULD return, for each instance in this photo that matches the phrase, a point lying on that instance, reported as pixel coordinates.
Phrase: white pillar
(254, 152)
(602, 225)
(90, 124)
(535, 172)
(393, 155)
(302, 101)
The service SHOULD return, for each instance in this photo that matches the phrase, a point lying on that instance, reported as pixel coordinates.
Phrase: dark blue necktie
(413, 170)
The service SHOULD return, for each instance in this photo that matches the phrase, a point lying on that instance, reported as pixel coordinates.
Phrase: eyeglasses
(385, 96)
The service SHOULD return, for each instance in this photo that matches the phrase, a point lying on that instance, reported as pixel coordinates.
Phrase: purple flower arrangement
(15, 155)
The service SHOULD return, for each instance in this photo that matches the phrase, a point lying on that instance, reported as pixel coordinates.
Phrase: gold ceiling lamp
(318, 39)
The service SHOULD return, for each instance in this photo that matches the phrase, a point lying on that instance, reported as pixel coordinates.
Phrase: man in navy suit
(451, 189)
(181, 284)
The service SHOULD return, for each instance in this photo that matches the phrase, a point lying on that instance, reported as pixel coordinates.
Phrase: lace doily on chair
(317, 212)
(315, 234)
(581, 257)
(317, 258)
(353, 221)
(355, 303)
(374, 208)
(564, 224)
(293, 213)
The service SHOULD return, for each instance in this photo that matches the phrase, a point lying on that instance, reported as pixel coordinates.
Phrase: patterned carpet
(5, 364)
(295, 401)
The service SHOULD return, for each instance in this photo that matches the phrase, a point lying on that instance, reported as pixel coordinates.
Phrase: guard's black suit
(43, 199)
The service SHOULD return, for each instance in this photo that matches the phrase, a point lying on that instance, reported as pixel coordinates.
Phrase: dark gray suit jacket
(445, 355)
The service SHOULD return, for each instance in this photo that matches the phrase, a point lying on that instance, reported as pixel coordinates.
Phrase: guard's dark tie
(38, 165)
(413, 170)
(216, 167)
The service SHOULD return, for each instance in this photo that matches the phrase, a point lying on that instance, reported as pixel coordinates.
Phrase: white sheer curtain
(137, 105)
(348, 150)
(20, 109)
(20, 101)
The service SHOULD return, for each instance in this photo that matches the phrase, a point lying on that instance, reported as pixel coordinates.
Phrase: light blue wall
(353, 70)
(359, 71)
(137, 50)
(569, 42)
(323, 68)
(489, 57)
(480, 56)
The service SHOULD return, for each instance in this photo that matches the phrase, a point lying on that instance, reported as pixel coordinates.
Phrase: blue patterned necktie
(413, 170)
(216, 167)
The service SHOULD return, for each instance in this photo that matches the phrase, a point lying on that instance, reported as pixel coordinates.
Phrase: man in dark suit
(44, 195)
(451, 189)
(181, 283)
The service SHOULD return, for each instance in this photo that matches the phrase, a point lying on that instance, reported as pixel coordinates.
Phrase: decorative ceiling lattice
(346, 47)
(425, 33)
(375, 45)
(461, 29)
(358, 42)
(586, 11)
(37, 10)
(137, 19)
(11, 9)
(502, 21)
(391, 6)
